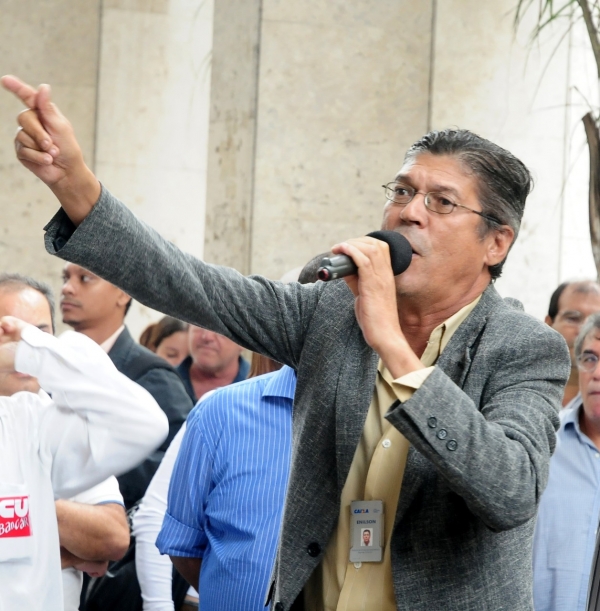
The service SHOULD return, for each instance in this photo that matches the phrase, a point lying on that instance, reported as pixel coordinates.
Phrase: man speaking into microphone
(426, 405)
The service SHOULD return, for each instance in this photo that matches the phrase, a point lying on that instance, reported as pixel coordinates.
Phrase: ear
(123, 299)
(548, 320)
(499, 242)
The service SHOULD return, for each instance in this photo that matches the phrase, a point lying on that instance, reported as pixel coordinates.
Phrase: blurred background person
(168, 338)
(214, 361)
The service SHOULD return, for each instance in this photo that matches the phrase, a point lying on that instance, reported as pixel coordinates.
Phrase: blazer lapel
(455, 361)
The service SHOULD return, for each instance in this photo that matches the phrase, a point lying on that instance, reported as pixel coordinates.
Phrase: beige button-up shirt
(376, 473)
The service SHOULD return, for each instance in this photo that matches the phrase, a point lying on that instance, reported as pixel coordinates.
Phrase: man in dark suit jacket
(97, 309)
(479, 420)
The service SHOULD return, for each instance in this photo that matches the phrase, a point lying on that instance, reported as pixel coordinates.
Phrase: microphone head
(400, 249)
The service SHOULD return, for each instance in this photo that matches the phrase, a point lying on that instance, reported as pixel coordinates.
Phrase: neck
(420, 315)
(203, 381)
(100, 332)
(572, 387)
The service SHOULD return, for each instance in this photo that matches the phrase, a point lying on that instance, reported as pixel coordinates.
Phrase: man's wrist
(78, 193)
(398, 357)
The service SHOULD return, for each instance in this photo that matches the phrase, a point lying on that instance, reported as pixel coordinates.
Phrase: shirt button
(313, 549)
(442, 434)
(452, 445)
(597, 455)
(432, 422)
(357, 565)
(386, 443)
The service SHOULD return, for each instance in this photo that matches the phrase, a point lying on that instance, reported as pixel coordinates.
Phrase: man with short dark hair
(411, 394)
(570, 305)
(567, 524)
(97, 308)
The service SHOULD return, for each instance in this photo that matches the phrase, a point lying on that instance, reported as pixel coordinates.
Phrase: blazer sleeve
(495, 454)
(261, 315)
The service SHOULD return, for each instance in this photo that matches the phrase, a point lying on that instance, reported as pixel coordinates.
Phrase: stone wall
(258, 133)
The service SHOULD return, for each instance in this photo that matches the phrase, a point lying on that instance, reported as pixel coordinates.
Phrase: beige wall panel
(153, 117)
(57, 43)
(341, 96)
(234, 90)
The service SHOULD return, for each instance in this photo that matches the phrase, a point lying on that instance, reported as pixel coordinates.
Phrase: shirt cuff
(27, 357)
(178, 539)
(405, 386)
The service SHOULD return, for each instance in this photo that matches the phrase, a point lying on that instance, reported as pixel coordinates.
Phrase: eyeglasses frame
(426, 199)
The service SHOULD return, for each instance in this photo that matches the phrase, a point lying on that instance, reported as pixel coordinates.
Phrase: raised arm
(98, 423)
(46, 145)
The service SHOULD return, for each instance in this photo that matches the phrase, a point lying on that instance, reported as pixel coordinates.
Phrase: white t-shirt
(98, 423)
(105, 492)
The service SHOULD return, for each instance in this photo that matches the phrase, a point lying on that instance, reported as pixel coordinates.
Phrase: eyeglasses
(587, 361)
(402, 194)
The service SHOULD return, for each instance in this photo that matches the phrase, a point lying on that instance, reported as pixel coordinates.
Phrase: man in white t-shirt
(92, 525)
(97, 423)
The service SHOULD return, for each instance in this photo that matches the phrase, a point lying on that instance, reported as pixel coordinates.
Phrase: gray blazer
(463, 529)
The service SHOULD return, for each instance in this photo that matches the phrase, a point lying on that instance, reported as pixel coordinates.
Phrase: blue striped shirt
(228, 488)
(565, 533)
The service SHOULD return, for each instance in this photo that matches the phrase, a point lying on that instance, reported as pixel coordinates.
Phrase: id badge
(16, 541)
(366, 531)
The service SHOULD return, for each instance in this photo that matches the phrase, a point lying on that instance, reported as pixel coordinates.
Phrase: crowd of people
(409, 442)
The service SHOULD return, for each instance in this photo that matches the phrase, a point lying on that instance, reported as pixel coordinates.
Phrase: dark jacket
(164, 384)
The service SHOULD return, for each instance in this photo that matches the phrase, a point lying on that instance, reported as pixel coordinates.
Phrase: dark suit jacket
(464, 524)
(165, 385)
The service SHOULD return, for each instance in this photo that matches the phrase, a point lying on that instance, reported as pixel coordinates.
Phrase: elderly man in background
(567, 523)
(214, 361)
(92, 526)
(411, 395)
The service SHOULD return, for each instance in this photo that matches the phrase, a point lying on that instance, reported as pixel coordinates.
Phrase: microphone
(338, 266)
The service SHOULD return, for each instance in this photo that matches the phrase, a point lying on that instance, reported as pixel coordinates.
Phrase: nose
(415, 212)
(67, 287)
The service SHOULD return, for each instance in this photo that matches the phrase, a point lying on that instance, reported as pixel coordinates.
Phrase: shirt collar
(107, 344)
(281, 384)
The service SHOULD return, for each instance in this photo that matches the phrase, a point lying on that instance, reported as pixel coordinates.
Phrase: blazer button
(442, 434)
(452, 445)
(432, 422)
(278, 607)
(314, 549)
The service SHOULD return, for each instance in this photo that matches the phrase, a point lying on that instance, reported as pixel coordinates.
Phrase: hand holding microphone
(339, 266)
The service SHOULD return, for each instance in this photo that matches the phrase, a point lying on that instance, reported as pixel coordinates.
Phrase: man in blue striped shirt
(227, 491)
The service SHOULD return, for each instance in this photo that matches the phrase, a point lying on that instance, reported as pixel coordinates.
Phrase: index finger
(26, 93)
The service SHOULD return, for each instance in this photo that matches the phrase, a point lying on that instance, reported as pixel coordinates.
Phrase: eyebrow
(436, 188)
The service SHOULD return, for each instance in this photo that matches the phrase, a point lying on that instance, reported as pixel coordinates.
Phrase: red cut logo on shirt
(14, 516)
